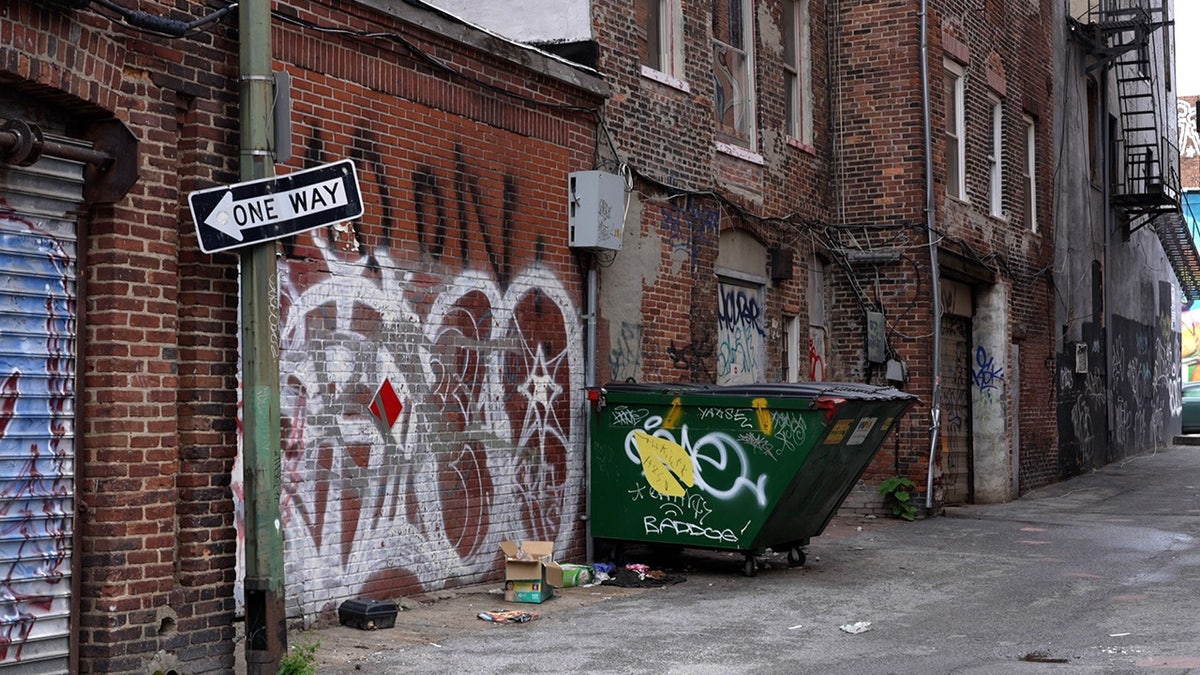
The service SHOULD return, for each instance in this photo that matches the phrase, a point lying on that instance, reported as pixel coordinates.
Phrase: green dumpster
(742, 468)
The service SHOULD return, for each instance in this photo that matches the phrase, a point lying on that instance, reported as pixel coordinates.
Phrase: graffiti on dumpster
(655, 525)
(627, 417)
(720, 466)
(667, 467)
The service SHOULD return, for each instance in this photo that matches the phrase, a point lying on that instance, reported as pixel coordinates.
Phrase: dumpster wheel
(750, 567)
(796, 557)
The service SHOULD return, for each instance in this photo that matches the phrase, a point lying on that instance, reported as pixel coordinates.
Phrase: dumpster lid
(804, 390)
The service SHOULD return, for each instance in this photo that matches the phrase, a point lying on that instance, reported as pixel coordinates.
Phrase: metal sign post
(266, 621)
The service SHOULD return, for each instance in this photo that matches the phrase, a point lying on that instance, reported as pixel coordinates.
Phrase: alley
(1096, 574)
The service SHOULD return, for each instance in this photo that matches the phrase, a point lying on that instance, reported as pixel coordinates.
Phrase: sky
(1187, 47)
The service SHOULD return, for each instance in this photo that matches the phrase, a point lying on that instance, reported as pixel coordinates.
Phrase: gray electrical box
(595, 210)
(876, 338)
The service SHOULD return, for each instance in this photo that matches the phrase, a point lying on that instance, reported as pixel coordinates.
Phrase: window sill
(740, 152)
(799, 144)
(663, 78)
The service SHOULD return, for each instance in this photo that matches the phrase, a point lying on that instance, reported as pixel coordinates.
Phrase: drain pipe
(935, 409)
(589, 383)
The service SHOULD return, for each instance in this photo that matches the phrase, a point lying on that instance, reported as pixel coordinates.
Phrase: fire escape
(1122, 36)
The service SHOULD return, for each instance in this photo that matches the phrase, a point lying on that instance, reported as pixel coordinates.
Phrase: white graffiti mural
(483, 390)
(1189, 140)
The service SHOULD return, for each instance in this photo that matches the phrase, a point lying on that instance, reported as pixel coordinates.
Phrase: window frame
(954, 85)
(996, 159)
(745, 134)
(818, 319)
(797, 67)
(666, 63)
(1029, 172)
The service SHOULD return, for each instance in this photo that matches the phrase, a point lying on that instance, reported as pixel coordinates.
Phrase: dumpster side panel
(834, 465)
(695, 470)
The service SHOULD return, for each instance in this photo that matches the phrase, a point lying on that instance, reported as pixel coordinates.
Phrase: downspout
(589, 383)
(1107, 218)
(935, 408)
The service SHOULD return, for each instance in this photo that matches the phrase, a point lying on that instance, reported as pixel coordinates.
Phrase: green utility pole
(266, 622)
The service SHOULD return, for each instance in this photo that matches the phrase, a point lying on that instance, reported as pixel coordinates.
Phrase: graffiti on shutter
(37, 411)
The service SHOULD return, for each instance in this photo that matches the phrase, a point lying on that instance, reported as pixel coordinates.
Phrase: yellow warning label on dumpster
(838, 433)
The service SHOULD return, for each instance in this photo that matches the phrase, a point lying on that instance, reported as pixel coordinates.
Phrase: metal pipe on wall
(589, 383)
(935, 410)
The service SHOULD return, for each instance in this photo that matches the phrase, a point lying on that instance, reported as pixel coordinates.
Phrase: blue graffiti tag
(987, 375)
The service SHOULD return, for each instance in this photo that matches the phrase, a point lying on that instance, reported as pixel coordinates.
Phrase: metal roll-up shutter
(38, 254)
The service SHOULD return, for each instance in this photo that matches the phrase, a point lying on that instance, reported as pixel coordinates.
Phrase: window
(791, 348)
(662, 53)
(1093, 122)
(956, 142)
(1029, 173)
(996, 160)
(797, 69)
(818, 333)
(733, 70)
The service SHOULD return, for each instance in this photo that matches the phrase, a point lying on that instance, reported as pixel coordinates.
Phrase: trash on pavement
(577, 575)
(635, 575)
(367, 613)
(530, 573)
(508, 616)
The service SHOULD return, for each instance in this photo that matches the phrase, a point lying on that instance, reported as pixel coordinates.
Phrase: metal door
(956, 409)
(37, 412)
(741, 334)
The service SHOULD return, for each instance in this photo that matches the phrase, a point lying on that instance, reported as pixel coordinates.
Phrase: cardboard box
(527, 591)
(530, 573)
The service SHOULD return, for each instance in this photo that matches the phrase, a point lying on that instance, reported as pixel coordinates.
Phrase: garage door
(37, 412)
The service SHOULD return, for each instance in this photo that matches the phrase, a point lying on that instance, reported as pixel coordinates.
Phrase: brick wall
(155, 539)
(457, 292)
(882, 179)
(456, 287)
(1189, 143)
(659, 314)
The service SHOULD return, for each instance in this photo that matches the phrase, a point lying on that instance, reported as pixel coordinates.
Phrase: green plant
(897, 491)
(300, 660)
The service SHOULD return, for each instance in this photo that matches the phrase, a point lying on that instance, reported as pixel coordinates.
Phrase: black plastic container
(367, 613)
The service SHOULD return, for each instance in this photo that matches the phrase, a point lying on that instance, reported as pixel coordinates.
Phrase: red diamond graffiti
(386, 405)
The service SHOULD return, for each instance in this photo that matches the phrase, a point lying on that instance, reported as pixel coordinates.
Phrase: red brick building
(453, 303)
(776, 156)
(989, 99)
(1189, 142)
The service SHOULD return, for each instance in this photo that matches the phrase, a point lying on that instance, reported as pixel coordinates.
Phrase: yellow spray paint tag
(764, 415)
(667, 465)
(675, 416)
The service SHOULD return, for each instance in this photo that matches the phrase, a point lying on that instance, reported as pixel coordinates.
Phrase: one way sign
(271, 208)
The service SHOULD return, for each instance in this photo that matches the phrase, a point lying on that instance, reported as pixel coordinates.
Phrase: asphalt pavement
(1096, 574)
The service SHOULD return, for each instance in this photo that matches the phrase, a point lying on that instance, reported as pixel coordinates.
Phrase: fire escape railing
(1146, 190)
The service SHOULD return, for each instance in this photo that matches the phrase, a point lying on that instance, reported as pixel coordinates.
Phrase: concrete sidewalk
(1099, 573)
